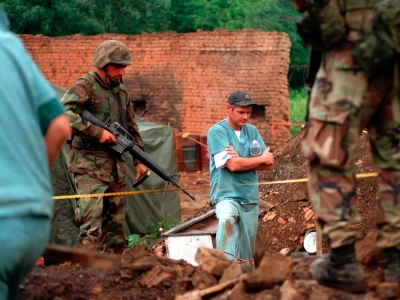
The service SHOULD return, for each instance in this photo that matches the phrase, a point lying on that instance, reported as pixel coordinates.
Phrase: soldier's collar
(115, 89)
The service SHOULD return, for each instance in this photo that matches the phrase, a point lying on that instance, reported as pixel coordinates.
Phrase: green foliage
(298, 108)
(51, 18)
(58, 17)
(131, 16)
(154, 233)
(135, 239)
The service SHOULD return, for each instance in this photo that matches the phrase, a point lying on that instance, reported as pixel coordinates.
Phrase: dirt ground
(287, 217)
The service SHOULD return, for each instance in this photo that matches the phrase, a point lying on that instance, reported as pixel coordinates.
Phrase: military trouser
(345, 100)
(101, 219)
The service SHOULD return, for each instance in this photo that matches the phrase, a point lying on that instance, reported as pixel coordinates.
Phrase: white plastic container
(255, 148)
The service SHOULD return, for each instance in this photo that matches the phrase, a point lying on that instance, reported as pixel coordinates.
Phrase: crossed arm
(257, 163)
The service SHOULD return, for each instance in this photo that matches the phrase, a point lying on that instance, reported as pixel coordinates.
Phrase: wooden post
(318, 232)
(83, 257)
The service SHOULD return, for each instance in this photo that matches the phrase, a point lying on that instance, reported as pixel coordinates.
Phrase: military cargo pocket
(91, 160)
(323, 145)
(338, 90)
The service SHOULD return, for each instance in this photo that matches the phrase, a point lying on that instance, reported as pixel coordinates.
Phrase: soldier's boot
(391, 264)
(340, 269)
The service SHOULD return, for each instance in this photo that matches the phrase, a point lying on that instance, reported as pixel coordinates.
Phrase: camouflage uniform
(345, 100)
(97, 168)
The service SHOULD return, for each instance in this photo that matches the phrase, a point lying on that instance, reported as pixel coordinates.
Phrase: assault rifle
(314, 55)
(314, 61)
(125, 143)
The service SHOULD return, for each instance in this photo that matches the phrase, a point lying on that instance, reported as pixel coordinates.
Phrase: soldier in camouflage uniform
(346, 99)
(98, 169)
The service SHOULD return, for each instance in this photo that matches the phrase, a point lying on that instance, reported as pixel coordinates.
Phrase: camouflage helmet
(111, 51)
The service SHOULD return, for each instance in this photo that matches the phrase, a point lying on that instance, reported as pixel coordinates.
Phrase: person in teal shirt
(33, 128)
(233, 177)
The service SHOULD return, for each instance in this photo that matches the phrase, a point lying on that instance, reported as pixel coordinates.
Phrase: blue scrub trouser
(22, 241)
(237, 228)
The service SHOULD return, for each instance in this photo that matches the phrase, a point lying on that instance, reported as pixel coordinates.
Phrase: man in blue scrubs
(233, 177)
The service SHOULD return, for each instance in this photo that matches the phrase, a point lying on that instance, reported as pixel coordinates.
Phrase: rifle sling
(121, 112)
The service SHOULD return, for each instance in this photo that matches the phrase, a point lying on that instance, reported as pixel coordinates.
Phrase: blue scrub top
(237, 186)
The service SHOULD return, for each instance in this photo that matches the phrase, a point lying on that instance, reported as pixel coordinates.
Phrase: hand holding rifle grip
(142, 178)
(136, 152)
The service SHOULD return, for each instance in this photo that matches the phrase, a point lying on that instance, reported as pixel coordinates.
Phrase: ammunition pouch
(322, 24)
(380, 46)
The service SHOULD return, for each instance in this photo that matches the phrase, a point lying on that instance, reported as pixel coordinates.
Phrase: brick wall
(185, 79)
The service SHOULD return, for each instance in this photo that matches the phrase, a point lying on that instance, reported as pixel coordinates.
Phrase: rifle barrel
(135, 151)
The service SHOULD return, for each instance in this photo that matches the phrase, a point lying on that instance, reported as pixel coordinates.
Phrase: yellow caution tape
(365, 175)
(113, 194)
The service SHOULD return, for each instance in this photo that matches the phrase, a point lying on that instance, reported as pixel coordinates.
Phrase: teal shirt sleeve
(47, 112)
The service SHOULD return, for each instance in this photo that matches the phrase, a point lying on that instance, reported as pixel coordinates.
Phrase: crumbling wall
(184, 80)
